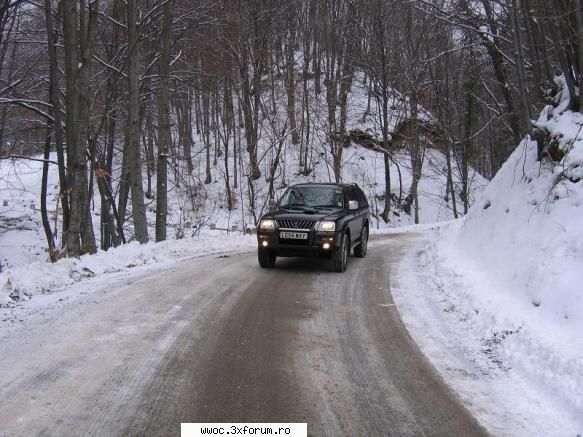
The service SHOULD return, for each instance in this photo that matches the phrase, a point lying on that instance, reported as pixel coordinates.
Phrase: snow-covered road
(215, 338)
(218, 339)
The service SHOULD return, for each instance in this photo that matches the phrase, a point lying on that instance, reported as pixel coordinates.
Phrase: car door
(355, 221)
(363, 208)
(363, 203)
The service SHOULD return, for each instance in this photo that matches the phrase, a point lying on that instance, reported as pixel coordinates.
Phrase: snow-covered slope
(194, 205)
(194, 208)
(526, 236)
(22, 239)
(502, 292)
(527, 230)
(20, 225)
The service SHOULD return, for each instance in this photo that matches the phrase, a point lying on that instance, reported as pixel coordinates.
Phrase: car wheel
(340, 257)
(360, 250)
(266, 258)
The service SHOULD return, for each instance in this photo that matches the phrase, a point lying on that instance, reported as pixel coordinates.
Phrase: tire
(360, 250)
(266, 258)
(341, 254)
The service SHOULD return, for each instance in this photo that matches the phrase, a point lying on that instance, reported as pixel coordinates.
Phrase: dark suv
(317, 220)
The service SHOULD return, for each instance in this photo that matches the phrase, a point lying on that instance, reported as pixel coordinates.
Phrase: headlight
(326, 226)
(267, 225)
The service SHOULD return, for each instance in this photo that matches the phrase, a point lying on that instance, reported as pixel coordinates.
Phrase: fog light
(264, 244)
(326, 246)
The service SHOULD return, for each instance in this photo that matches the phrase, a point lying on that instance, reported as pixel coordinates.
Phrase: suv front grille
(295, 224)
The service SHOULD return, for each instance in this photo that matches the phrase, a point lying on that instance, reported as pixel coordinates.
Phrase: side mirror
(272, 205)
(352, 204)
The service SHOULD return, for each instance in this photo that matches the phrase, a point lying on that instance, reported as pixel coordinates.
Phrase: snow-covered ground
(476, 334)
(496, 300)
(23, 247)
(22, 282)
(194, 208)
(193, 205)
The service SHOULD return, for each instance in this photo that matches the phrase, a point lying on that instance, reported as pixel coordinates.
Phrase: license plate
(294, 235)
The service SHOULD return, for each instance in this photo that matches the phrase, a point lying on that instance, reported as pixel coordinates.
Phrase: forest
(115, 96)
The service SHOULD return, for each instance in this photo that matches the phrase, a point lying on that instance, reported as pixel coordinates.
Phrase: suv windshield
(312, 197)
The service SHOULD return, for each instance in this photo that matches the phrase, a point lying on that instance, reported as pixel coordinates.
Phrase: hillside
(526, 234)
(195, 207)
(504, 287)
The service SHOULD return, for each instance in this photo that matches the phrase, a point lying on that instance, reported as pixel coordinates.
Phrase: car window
(347, 196)
(351, 194)
(361, 197)
(313, 197)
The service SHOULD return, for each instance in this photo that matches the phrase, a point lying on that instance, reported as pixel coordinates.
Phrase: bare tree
(133, 127)
(79, 37)
(164, 137)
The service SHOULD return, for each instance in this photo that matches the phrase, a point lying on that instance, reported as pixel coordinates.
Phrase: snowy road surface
(221, 340)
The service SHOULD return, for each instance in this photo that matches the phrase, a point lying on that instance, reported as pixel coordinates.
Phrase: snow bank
(528, 229)
(21, 283)
(513, 380)
(510, 275)
(495, 300)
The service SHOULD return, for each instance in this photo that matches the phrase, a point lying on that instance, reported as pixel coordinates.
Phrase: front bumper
(317, 245)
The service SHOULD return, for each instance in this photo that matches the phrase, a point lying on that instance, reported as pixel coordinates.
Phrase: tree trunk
(387, 208)
(331, 100)
(55, 101)
(164, 138)
(207, 134)
(124, 183)
(236, 144)
(305, 123)
(43, 197)
(250, 112)
(519, 60)
(78, 54)
(133, 144)
(75, 158)
(186, 126)
(148, 139)
(416, 152)
(450, 182)
(228, 127)
(344, 139)
(88, 28)
(291, 84)
(500, 73)
(466, 147)
(88, 234)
